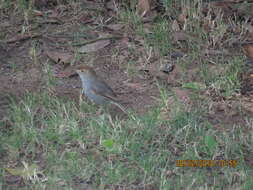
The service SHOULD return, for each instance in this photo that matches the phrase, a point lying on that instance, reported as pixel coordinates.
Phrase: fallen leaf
(115, 26)
(216, 52)
(38, 13)
(175, 26)
(22, 172)
(248, 48)
(247, 103)
(26, 172)
(94, 46)
(143, 7)
(181, 36)
(183, 16)
(51, 21)
(247, 83)
(53, 13)
(148, 28)
(23, 37)
(110, 5)
(5, 24)
(249, 28)
(60, 57)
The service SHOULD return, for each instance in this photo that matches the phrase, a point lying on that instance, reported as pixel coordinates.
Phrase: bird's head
(85, 71)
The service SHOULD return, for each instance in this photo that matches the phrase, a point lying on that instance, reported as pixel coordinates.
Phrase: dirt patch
(225, 115)
(67, 28)
(20, 75)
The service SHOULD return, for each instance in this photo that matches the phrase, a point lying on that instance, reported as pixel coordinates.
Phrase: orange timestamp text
(206, 163)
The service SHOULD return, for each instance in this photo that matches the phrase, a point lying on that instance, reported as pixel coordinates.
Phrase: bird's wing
(103, 89)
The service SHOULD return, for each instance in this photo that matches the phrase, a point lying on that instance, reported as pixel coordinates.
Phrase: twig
(23, 37)
(95, 40)
(69, 36)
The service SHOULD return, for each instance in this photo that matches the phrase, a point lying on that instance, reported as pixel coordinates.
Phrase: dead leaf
(248, 48)
(53, 13)
(249, 28)
(248, 103)
(143, 7)
(5, 24)
(149, 17)
(110, 5)
(181, 36)
(183, 16)
(175, 26)
(51, 21)
(216, 52)
(23, 37)
(60, 57)
(38, 13)
(27, 171)
(247, 83)
(148, 28)
(94, 46)
(115, 26)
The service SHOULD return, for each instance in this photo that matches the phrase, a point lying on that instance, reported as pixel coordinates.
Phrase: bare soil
(55, 28)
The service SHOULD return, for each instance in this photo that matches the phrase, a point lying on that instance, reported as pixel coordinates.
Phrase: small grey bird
(96, 89)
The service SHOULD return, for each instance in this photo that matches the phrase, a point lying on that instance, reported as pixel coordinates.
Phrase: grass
(66, 147)
(50, 142)
(160, 38)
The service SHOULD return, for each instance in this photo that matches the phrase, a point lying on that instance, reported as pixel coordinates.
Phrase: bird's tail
(119, 106)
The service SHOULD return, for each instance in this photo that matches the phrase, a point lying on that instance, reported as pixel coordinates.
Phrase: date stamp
(206, 163)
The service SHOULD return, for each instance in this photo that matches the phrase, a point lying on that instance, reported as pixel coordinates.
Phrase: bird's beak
(78, 72)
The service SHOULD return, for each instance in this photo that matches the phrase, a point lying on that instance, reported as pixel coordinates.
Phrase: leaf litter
(99, 53)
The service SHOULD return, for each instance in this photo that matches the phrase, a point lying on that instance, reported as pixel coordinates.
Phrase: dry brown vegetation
(183, 68)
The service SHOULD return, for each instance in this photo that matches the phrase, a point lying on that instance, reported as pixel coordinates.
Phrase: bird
(96, 89)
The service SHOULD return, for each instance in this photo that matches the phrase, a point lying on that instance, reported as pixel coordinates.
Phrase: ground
(185, 82)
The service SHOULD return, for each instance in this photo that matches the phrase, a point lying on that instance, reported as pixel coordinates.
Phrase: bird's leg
(102, 109)
(99, 111)
(119, 106)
